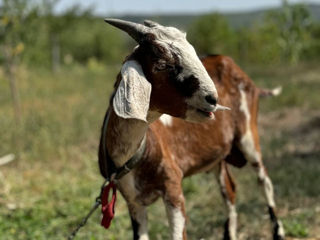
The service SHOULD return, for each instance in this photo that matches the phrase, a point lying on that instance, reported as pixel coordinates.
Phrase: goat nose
(211, 99)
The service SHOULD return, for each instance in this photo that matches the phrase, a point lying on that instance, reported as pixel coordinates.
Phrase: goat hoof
(278, 233)
(278, 237)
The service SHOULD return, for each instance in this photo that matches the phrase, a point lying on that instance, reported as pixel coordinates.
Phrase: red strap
(107, 208)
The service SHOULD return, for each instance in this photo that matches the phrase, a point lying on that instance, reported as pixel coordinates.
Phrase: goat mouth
(208, 114)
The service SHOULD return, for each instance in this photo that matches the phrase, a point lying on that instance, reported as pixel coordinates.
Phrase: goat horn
(135, 30)
(221, 108)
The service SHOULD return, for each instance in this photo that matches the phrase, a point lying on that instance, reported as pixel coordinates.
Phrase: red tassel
(107, 208)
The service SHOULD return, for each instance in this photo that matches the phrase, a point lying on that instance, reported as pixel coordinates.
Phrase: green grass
(54, 181)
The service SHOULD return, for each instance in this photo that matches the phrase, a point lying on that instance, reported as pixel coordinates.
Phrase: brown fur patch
(230, 187)
(186, 148)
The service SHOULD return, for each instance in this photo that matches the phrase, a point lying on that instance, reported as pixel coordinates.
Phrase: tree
(212, 34)
(12, 14)
(293, 24)
(56, 26)
(312, 50)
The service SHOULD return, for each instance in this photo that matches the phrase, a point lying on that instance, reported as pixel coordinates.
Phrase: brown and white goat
(175, 148)
(162, 75)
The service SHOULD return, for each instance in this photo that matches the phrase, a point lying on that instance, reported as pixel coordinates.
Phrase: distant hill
(236, 20)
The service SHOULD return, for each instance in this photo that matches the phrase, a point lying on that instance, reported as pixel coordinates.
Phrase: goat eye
(161, 65)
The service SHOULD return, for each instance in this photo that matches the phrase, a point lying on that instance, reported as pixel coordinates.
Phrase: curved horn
(135, 30)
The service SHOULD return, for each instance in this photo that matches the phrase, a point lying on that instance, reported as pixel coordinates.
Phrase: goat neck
(124, 136)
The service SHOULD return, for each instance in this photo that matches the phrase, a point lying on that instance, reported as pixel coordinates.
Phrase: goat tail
(264, 92)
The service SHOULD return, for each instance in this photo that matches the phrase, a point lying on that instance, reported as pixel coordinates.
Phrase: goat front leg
(228, 190)
(174, 203)
(139, 221)
(137, 211)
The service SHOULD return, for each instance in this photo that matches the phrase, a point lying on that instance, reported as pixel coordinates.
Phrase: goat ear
(132, 97)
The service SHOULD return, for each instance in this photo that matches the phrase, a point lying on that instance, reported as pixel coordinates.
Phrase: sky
(120, 7)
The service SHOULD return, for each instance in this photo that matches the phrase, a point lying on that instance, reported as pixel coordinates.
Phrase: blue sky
(116, 7)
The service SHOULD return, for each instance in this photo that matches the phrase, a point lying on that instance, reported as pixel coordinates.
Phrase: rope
(119, 173)
(92, 210)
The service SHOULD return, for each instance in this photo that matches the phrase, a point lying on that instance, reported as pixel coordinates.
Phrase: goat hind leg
(250, 147)
(265, 181)
(253, 155)
(228, 190)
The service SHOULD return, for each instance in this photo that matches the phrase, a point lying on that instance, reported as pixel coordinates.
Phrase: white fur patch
(244, 105)
(247, 142)
(281, 229)
(143, 237)
(166, 120)
(232, 221)
(276, 91)
(176, 222)
(269, 191)
(248, 148)
(175, 41)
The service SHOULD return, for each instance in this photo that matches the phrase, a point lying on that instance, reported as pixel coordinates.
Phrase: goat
(162, 75)
(171, 148)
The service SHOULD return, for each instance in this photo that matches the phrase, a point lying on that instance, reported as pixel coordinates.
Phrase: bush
(211, 34)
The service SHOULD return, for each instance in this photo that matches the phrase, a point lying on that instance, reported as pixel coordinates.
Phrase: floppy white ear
(132, 97)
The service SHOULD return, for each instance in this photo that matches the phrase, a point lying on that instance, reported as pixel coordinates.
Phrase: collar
(132, 162)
